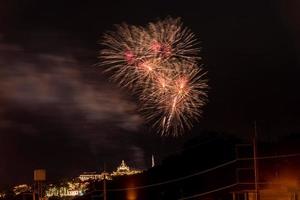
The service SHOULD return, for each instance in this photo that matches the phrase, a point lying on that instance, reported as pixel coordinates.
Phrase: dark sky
(58, 111)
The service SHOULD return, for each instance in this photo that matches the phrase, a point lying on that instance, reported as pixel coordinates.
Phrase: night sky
(60, 112)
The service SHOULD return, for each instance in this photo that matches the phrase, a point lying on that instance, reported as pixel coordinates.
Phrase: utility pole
(33, 191)
(104, 188)
(104, 184)
(256, 176)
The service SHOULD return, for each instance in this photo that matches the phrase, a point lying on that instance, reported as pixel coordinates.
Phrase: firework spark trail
(159, 64)
(171, 113)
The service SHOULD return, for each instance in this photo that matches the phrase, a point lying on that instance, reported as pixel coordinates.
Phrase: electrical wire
(272, 157)
(177, 179)
(200, 173)
(209, 192)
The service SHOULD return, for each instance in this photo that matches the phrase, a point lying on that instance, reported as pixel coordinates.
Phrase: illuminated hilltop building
(90, 176)
(74, 188)
(123, 169)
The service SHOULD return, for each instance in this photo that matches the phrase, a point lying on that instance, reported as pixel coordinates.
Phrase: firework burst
(159, 63)
(170, 40)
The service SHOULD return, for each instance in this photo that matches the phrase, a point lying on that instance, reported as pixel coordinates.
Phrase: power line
(272, 157)
(243, 183)
(209, 192)
(172, 180)
(177, 179)
(260, 183)
(225, 187)
(200, 173)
